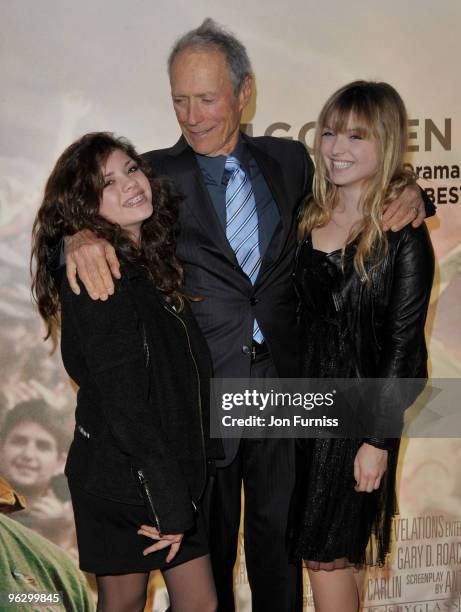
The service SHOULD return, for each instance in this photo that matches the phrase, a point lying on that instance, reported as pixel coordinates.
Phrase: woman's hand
(369, 466)
(173, 540)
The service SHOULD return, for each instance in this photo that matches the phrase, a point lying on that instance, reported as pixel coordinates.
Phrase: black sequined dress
(332, 523)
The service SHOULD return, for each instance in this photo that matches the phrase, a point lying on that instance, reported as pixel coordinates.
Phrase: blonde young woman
(364, 296)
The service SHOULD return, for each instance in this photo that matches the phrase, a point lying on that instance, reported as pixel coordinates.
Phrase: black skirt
(332, 525)
(108, 542)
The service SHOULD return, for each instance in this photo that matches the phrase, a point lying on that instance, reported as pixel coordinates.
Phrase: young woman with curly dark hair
(137, 465)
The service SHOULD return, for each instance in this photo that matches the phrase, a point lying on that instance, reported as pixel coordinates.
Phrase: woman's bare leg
(334, 590)
(359, 577)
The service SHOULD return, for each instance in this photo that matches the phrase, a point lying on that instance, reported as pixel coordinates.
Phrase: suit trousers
(267, 470)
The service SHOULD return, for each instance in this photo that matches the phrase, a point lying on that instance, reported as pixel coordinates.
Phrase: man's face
(207, 110)
(29, 457)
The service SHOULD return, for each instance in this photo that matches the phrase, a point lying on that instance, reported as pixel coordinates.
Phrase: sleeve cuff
(382, 443)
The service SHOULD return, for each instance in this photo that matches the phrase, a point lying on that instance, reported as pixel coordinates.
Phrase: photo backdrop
(68, 67)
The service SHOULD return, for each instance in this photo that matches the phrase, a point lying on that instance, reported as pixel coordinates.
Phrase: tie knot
(232, 164)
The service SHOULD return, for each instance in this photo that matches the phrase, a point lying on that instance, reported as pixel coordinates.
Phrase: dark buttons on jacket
(246, 350)
(253, 301)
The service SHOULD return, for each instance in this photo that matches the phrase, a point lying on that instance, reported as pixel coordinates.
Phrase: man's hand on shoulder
(407, 208)
(94, 260)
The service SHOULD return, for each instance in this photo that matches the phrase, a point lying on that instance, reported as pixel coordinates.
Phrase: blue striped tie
(242, 225)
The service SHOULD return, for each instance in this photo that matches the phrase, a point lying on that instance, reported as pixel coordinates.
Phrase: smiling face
(350, 156)
(127, 195)
(30, 457)
(207, 109)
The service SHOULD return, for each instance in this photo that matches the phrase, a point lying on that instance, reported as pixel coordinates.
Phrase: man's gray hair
(210, 36)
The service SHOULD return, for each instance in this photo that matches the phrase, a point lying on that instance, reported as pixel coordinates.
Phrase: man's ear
(245, 92)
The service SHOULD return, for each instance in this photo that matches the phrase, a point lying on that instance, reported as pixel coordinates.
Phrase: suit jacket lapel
(273, 174)
(183, 168)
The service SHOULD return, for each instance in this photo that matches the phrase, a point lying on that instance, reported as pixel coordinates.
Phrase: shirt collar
(214, 167)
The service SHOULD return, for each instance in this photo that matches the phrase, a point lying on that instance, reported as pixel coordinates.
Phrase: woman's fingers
(149, 531)
(163, 541)
(157, 546)
(173, 551)
(369, 486)
(368, 483)
(169, 540)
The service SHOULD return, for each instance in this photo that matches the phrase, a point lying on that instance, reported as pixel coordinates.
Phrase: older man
(237, 244)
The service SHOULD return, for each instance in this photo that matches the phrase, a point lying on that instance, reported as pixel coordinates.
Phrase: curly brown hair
(71, 203)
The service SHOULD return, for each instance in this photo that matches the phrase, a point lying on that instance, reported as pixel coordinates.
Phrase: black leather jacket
(384, 319)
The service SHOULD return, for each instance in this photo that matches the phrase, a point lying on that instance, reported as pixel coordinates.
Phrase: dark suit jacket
(230, 302)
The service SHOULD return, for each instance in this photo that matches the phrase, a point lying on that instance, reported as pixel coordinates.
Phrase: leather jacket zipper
(145, 487)
(145, 345)
(171, 311)
(293, 278)
(140, 473)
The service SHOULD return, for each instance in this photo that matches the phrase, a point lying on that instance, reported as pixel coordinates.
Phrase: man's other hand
(407, 208)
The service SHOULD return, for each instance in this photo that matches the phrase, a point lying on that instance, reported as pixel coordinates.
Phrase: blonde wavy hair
(379, 113)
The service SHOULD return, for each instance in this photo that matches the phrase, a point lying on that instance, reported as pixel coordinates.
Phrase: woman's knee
(123, 593)
(131, 603)
(208, 605)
